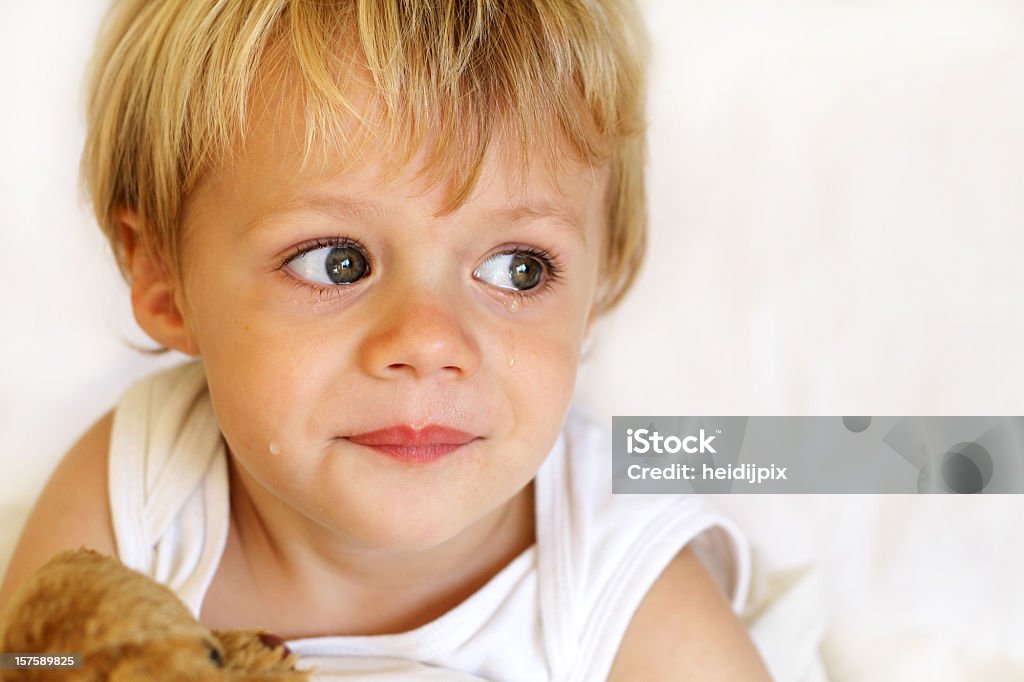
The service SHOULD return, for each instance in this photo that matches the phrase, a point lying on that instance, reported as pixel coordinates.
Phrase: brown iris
(345, 265)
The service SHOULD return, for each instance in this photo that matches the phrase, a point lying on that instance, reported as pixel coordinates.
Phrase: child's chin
(405, 531)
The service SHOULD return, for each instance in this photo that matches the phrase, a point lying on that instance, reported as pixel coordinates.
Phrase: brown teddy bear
(128, 627)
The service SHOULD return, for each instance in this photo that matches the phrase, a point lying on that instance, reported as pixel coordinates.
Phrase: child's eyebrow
(334, 206)
(561, 214)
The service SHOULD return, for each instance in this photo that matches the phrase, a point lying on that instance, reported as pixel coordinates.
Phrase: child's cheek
(540, 365)
(269, 381)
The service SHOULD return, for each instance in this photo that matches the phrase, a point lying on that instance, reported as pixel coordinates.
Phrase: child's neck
(312, 583)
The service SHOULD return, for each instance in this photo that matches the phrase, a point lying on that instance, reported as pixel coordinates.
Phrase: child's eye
(330, 265)
(516, 271)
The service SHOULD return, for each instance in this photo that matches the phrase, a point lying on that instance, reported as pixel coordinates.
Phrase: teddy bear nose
(215, 655)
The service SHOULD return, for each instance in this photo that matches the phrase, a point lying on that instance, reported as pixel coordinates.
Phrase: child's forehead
(363, 152)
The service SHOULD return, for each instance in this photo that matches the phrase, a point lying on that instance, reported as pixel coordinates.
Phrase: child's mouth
(407, 444)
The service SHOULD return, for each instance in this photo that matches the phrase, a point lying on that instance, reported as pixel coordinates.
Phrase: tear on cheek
(274, 448)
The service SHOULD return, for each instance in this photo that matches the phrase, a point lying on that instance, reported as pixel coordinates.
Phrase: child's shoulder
(635, 562)
(72, 511)
(74, 508)
(583, 478)
(129, 485)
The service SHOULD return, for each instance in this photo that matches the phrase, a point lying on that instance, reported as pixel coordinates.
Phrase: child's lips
(405, 443)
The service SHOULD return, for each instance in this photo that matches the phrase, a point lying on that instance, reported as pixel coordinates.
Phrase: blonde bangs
(173, 85)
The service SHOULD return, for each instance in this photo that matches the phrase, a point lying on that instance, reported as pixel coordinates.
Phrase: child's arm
(685, 629)
(73, 510)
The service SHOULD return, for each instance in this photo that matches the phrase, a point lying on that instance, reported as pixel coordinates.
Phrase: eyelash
(323, 293)
(552, 268)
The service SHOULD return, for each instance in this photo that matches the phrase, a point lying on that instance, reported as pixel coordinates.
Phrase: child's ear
(156, 301)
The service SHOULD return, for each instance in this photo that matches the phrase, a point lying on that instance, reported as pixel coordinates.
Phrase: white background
(837, 223)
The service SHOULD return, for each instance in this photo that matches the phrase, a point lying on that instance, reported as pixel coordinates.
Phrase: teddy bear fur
(128, 628)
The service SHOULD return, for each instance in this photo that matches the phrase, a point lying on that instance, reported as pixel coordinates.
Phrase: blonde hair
(173, 81)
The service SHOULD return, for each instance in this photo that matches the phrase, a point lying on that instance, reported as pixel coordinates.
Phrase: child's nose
(419, 336)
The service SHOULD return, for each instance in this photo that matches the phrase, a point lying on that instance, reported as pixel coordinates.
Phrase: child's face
(429, 332)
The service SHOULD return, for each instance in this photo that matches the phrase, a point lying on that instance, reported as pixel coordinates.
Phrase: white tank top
(556, 612)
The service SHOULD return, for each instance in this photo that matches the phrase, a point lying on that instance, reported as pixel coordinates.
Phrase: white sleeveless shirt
(556, 612)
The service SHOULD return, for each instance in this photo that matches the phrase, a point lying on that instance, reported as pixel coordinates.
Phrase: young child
(383, 228)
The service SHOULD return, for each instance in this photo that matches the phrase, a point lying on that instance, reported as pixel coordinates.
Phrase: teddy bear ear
(256, 650)
(272, 641)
